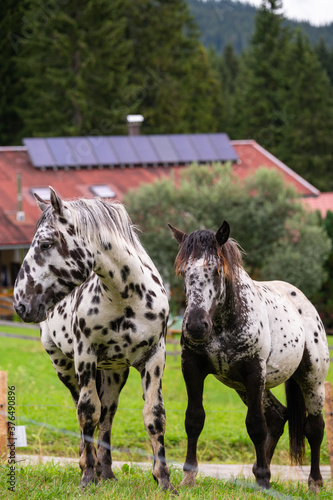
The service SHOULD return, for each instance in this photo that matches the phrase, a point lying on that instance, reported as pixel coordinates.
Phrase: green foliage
(300, 255)
(284, 98)
(307, 104)
(75, 65)
(324, 297)
(12, 86)
(263, 214)
(85, 67)
(229, 21)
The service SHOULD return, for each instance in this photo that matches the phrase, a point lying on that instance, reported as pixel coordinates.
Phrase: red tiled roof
(75, 183)
(323, 203)
(254, 156)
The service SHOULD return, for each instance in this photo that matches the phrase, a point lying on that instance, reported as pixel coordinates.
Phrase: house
(108, 167)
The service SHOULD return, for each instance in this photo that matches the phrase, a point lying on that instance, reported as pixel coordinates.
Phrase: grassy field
(45, 407)
(50, 482)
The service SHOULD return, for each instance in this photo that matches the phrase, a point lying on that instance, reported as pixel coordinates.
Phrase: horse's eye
(46, 245)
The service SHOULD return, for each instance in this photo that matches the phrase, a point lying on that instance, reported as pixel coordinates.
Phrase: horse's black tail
(296, 420)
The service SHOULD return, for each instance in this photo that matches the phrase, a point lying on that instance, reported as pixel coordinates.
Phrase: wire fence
(173, 341)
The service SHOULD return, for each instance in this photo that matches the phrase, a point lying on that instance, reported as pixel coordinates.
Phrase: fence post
(329, 420)
(3, 414)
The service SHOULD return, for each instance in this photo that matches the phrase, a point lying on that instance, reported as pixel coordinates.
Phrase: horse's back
(297, 332)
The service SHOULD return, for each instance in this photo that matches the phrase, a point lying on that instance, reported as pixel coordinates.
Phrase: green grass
(52, 482)
(45, 407)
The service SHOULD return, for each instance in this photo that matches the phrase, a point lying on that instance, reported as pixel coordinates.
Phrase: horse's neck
(118, 268)
(233, 305)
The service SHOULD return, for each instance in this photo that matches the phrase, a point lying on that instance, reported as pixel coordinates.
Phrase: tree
(75, 59)
(325, 57)
(305, 142)
(12, 85)
(178, 89)
(261, 212)
(258, 100)
(324, 297)
(284, 98)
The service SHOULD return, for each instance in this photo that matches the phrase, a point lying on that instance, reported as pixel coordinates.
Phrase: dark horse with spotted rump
(103, 308)
(251, 336)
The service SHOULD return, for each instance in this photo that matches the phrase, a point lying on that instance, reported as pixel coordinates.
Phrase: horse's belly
(282, 362)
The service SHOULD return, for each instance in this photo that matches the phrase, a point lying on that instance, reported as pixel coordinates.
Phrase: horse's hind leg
(112, 384)
(310, 377)
(154, 415)
(314, 432)
(256, 421)
(276, 416)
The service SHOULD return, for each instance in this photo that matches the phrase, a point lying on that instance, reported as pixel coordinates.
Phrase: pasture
(45, 407)
(49, 482)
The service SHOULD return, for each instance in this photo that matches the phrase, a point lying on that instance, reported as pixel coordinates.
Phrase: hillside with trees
(79, 69)
(223, 22)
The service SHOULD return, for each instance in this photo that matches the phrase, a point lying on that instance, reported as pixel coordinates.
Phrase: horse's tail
(296, 420)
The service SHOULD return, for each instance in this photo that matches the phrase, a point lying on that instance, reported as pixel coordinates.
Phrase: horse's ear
(223, 233)
(40, 202)
(56, 202)
(178, 234)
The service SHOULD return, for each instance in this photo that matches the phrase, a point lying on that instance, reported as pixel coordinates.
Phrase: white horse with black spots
(252, 336)
(103, 309)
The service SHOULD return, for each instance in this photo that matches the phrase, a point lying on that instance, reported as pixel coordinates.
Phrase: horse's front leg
(254, 381)
(154, 415)
(88, 414)
(194, 373)
(109, 391)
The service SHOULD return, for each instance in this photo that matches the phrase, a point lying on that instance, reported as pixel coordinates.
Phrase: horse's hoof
(88, 479)
(264, 483)
(105, 473)
(189, 479)
(314, 486)
(169, 487)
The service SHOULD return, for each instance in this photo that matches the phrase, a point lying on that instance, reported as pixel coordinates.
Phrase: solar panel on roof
(62, 152)
(124, 150)
(144, 150)
(164, 149)
(224, 148)
(129, 150)
(103, 150)
(204, 148)
(82, 150)
(184, 148)
(39, 152)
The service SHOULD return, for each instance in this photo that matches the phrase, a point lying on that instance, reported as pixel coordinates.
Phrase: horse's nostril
(20, 309)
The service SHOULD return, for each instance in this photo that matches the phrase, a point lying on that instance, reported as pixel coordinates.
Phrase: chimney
(134, 124)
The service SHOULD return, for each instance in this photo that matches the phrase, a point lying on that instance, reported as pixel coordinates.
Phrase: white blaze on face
(200, 285)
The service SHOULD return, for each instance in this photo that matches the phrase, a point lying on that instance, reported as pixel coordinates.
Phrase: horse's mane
(203, 244)
(96, 219)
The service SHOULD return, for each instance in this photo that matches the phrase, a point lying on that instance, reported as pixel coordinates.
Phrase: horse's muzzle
(30, 314)
(197, 325)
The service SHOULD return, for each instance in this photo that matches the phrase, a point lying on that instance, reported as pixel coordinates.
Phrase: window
(102, 191)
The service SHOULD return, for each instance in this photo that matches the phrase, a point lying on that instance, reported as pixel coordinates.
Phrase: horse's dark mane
(203, 244)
